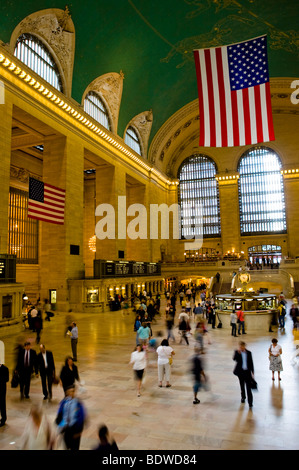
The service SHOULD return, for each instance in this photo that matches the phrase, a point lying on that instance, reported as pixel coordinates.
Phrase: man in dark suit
(4, 378)
(244, 370)
(26, 364)
(46, 367)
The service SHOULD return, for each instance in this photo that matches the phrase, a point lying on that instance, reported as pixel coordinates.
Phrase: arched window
(261, 193)
(95, 107)
(198, 186)
(33, 53)
(132, 140)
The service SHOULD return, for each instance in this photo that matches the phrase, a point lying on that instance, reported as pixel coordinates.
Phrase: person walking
(27, 362)
(38, 433)
(197, 372)
(244, 370)
(46, 367)
(165, 353)
(73, 333)
(106, 443)
(241, 322)
(70, 419)
(69, 374)
(275, 352)
(4, 378)
(233, 322)
(138, 359)
(144, 334)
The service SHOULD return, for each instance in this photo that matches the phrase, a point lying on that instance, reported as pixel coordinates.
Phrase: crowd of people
(186, 317)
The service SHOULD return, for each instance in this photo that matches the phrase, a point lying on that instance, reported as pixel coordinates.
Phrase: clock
(244, 277)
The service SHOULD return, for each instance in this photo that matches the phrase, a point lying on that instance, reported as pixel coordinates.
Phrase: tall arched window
(33, 53)
(132, 140)
(96, 108)
(198, 185)
(261, 192)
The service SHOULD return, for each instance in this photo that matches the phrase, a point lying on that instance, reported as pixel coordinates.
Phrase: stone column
(5, 154)
(291, 191)
(229, 211)
(63, 167)
(110, 183)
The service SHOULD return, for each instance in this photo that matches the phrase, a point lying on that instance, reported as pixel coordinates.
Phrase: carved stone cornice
(55, 28)
(21, 174)
(109, 87)
(142, 123)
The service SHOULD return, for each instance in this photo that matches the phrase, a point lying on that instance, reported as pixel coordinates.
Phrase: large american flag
(46, 202)
(234, 94)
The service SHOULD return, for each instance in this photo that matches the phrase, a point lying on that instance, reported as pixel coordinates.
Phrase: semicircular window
(132, 140)
(198, 197)
(95, 107)
(33, 53)
(261, 192)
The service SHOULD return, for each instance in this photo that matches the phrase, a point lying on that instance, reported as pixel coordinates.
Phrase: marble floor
(163, 418)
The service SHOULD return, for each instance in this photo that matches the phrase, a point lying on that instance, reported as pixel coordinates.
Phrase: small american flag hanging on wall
(46, 202)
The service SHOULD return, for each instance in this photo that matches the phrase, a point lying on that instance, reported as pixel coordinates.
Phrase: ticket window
(92, 295)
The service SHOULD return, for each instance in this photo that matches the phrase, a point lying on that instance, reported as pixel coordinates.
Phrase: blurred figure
(73, 333)
(233, 322)
(275, 352)
(139, 360)
(296, 343)
(144, 334)
(70, 419)
(197, 372)
(244, 370)
(27, 362)
(4, 378)
(38, 434)
(46, 367)
(294, 314)
(165, 353)
(106, 443)
(69, 374)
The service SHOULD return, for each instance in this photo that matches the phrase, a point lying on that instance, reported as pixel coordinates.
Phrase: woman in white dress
(38, 434)
(138, 359)
(275, 352)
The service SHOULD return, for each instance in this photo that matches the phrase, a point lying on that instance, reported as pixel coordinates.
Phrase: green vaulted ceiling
(152, 41)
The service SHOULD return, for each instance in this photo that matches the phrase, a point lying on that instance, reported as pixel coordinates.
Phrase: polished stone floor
(163, 418)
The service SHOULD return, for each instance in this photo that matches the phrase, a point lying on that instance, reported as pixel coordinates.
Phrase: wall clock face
(244, 277)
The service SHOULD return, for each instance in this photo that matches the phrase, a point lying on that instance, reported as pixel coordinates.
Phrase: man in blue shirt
(244, 370)
(70, 419)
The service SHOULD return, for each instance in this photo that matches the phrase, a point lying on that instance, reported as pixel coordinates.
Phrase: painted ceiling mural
(152, 43)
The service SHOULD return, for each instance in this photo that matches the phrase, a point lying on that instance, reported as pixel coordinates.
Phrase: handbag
(170, 360)
(253, 384)
(15, 380)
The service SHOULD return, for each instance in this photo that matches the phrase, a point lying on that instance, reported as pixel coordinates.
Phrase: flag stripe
(211, 98)
(269, 112)
(252, 115)
(247, 129)
(258, 112)
(222, 93)
(46, 213)
(45, 219)
(205, 99)
(200, 99)
(228, 99)
(46, 207)
(235, 118)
